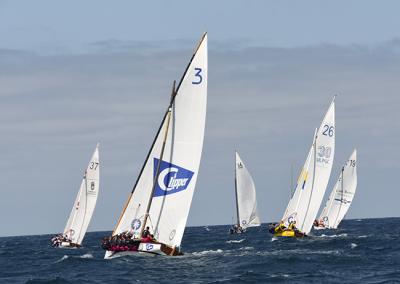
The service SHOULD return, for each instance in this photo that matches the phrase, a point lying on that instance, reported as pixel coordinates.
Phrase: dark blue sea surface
(360, 251)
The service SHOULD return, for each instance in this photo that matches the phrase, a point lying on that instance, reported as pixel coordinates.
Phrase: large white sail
(85, 201)
(177, 173)
(313, 180)
(245, 196)
(342, 194)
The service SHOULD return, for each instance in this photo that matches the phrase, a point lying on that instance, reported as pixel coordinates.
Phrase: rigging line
(341, 199)
(313, 180)
(155, 180)
(236, 193)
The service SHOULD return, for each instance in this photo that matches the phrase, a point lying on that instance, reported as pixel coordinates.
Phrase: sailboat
(342, 195)
(312, 182)
(246, 201)
(83, 207)
(153, 219)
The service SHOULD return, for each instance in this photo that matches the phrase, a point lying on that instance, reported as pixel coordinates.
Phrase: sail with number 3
(162, 195)
(311, 185)
(341, 196)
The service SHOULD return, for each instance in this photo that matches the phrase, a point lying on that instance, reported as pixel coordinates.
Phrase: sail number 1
(199, 77)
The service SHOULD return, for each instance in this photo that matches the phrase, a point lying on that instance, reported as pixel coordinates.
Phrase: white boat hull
(320, 228)
(150, 249)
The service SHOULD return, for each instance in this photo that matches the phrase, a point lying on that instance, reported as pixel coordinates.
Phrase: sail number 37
(93, 165)
(198, 76)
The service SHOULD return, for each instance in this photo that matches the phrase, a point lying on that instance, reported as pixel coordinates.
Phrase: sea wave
(208, 252)
(234, 241)
(63, 258)
(333, 236)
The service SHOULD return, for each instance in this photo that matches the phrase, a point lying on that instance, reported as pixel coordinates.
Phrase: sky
(74, 73)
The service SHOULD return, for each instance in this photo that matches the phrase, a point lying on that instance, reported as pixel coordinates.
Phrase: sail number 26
(198, 76)
(328, 130)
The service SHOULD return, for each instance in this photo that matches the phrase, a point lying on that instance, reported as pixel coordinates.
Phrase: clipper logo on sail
(171, 179)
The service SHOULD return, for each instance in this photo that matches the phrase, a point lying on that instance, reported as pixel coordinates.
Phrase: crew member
(146, 232)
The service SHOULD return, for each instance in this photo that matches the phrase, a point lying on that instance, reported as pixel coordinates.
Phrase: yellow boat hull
(289, 234)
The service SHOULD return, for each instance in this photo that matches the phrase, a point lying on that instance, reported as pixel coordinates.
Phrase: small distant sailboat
(154, 218)
(246, 201)
(341, 196)
(83, 208)
(311, 185)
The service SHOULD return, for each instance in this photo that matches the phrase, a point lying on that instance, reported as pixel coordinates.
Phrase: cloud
(264, 102)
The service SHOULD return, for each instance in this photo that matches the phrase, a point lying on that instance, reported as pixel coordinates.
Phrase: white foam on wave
(362, 237)
(208, 252)
(353, 245)
(234, 241)
(274, 239)
(300, 252)
(86, 255)
(280, 275)
(246, 248)
(207, 229)
(333, 236)
(63, 258)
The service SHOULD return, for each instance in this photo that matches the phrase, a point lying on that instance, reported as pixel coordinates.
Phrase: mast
(236, 193)
(84, 215)
(291, 180)
(312, 184)
(146, 216)
(76, 207)
(306, 172)
(341, 199)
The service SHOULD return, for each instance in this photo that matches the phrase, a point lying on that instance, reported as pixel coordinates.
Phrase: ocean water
(360, 251)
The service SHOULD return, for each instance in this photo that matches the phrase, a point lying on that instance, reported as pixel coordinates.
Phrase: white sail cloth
(311, 185)
(180, 162)
(245, 196)
(342, 194)
(85, 201)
